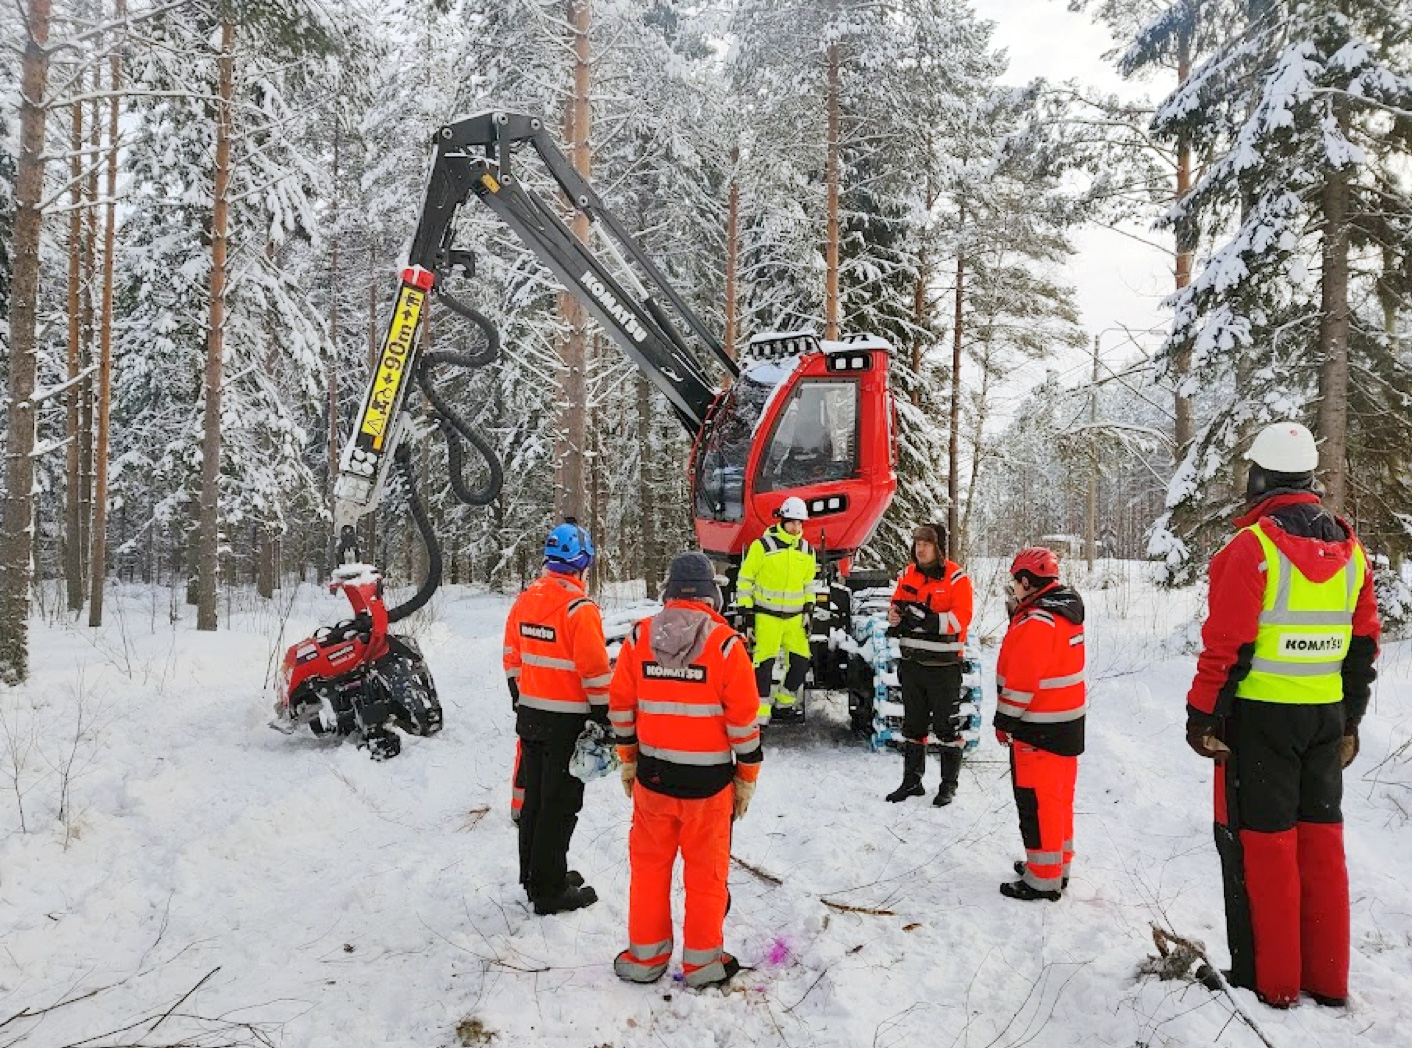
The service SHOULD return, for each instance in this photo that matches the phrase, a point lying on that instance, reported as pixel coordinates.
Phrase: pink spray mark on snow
(779, 952)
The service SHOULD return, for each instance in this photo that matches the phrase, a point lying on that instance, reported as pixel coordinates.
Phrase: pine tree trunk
(208, 559)
(962, 544)
(1182, 427)
(732, 253)
(369, 538)
(1334, 332)
(831, 178)
(15, 564)
(73, 528)
(105, 352)
(90, 279)
(334, 442)
(953, 449)
(646, 488)
(573, 415)
(919, 321)
(265, 562)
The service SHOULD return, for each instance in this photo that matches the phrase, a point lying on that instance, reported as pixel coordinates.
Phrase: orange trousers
(1044, 798)
(700, 830)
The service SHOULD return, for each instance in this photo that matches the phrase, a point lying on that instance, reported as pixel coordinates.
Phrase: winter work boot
(573, 879)
(708, 976)
(1020, 869)
(573, 897)
(914, 758)
(950, 776)
(1022, 891)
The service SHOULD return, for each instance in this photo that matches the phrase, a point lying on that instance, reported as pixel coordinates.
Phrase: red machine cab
(806, 417)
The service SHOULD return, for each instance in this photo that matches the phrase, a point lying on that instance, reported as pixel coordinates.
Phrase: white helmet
(1285, 447)
(792, 509)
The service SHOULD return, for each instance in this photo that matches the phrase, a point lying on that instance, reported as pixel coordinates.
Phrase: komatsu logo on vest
(615, 308)
(529, 629)
(690, 674)
(1328, 644)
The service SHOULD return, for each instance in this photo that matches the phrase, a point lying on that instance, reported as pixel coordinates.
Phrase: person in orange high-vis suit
(1039, 713)
(557, 666)
(683, 706)
(929, 615)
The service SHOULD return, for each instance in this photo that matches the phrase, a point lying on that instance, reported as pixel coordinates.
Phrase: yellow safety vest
(1305, 630)
(777, 575)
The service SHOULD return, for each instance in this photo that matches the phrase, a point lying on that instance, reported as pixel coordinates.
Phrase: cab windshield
(720, 471)
(815, 440)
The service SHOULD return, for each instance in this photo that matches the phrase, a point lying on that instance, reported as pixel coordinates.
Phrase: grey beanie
(692, 576)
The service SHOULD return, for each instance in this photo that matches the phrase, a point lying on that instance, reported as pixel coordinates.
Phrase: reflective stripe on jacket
(554, 651)
(1041, 698)
(1305, 629)
(777, 575)
(687, 717)
(947, 598)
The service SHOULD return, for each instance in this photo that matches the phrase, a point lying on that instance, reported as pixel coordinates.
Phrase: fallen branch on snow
(844, 907)
(1177, 954)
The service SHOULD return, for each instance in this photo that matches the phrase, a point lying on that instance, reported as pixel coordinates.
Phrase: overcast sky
(1119, 281)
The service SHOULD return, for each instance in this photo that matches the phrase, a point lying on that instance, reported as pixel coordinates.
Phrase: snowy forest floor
(309, 897)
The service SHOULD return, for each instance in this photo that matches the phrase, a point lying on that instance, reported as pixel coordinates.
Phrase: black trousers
(553, 800)
(931, 701)
(794, 675)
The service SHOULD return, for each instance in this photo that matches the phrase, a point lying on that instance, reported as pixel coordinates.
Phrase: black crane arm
(473, 156)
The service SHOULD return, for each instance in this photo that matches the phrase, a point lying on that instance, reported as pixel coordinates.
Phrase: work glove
(1002, 737)
(740, 803)
(918, 617)
(514, 693)
(746, 617)
(1348, 746)
(629, 775)
(1201, 737)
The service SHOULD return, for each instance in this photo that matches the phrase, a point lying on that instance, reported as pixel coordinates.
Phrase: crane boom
(474, 157)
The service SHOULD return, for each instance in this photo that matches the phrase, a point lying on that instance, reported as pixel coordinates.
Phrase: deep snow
(347, 903)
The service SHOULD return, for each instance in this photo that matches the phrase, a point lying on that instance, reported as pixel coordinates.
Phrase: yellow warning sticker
(392, 365)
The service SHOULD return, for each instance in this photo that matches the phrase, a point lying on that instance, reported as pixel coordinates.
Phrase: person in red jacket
(929, 616)
(1040, 709)
(557, 666)
(683, 707)
(1283, 679)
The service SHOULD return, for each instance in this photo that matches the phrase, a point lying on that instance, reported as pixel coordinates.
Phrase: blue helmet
(568, 548)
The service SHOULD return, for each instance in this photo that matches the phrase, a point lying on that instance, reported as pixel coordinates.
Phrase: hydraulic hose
(418, 600)
(455, 429)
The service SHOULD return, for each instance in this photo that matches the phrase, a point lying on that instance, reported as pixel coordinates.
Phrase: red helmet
(1038, 561)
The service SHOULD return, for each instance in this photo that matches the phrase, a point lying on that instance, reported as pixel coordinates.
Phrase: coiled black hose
(455, 429)
(417, 601)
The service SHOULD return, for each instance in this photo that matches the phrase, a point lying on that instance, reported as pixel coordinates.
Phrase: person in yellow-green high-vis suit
(775, 594)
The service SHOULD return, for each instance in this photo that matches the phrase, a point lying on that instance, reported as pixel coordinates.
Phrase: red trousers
(700, 830)
(1044, 798)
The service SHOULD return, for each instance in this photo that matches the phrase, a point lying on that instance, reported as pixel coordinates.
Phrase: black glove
(599, 716)
(514, 692)
(1201, 737)
(920, 617)
(746, 617)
